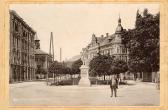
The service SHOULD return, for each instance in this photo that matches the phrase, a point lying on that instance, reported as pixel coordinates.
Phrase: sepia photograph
(84, 54)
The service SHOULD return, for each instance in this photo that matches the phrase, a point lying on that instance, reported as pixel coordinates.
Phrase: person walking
(114, 86)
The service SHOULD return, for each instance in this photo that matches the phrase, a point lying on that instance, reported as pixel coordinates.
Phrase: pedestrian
(114, 86)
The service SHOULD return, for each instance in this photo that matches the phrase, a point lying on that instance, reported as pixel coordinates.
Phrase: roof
(108, 39)
(40, 52)
(12, 12)
(100, 39)
(119, 29)
(36, 37)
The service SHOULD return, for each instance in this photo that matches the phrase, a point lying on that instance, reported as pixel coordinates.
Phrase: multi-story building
(43, 60)
(21, 52)
(108, 44)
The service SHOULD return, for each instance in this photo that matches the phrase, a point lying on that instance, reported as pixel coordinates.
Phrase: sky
(73, 24)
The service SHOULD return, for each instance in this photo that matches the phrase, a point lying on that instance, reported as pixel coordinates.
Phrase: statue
(84, 81)
(84, 57)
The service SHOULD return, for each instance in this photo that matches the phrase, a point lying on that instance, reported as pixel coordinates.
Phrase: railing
(64, 80)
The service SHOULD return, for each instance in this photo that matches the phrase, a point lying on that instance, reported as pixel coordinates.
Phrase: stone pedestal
(84, 81)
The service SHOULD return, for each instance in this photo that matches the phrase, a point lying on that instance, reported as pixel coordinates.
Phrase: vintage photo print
(99, 54)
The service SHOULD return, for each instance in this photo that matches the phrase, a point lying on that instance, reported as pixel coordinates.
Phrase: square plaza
(39, 94)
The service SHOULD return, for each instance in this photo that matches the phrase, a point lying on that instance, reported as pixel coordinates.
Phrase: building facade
(108, 44)
(43, 61)
(21, 52)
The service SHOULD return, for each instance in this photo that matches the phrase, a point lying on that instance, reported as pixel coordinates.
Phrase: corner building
(108, 44)
(21, 52)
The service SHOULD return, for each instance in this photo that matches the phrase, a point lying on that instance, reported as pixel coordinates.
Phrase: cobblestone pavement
(39, 94)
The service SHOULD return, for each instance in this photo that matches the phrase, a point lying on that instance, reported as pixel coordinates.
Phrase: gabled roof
(100, 39)
(108, 39)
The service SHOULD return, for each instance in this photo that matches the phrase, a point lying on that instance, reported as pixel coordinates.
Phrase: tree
(100, 65)
(118, 66)
(55, 69)
(143, 43)
(66, 71)
(41, 71)
(76, 66)
(121, 65)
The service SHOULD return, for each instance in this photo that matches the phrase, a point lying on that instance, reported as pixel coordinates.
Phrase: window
(16, 27)
(118, 50)
(126, 58)
(108, 51)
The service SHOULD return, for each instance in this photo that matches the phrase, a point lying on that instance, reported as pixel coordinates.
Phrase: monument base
(84, 81)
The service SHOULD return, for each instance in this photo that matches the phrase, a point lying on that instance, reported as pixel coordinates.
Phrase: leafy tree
(100, 65)
(119, 66)
(41, 71)
(66, 70)
(55, 69)
(143, 43)
(76, 66)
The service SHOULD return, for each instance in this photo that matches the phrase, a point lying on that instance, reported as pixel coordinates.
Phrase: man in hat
(114, 86)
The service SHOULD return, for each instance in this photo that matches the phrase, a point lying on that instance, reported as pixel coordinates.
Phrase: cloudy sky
(73, 24)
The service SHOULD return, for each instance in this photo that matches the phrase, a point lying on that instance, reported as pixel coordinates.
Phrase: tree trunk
(47, 78)
(73, 82)
(40, 74)
(104, 77)
(73, 79)
(107, 79)
(96, 79)
(71, 76)
(54, 77)
(63, 79)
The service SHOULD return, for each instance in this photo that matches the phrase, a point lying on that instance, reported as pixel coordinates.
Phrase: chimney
(107, 34)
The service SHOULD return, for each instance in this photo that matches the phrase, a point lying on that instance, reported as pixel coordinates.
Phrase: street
(39, 94)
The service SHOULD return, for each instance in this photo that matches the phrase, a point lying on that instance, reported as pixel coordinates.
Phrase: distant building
(42, 59)
(21, 51)
(108, 44)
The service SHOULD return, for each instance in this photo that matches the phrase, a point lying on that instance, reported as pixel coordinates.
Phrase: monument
(84, 81)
